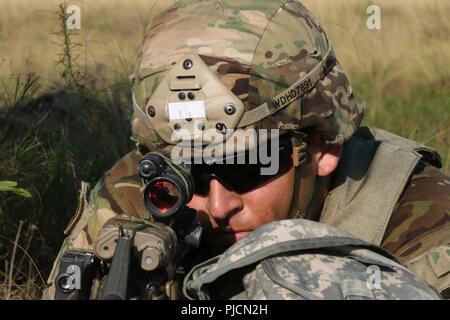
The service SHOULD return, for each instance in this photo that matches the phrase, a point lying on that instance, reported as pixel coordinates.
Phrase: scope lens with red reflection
(162, 197)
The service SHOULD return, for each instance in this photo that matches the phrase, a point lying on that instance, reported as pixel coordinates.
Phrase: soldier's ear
(328, 160)
(325, 156)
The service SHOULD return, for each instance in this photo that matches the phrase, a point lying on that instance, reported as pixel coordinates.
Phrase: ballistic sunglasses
(241, 178)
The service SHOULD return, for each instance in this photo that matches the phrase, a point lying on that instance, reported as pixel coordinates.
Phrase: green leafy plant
(12, 186)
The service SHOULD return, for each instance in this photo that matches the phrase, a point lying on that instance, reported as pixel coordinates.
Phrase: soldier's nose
(222, 203)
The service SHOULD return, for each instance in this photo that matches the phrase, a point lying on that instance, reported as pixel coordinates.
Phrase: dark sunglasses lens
(201, 184)
(237, 177)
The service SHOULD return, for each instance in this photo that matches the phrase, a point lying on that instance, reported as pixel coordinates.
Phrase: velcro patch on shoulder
(439, 259)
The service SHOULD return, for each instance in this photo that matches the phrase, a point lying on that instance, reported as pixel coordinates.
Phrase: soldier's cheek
(198, 202)
(270, 202)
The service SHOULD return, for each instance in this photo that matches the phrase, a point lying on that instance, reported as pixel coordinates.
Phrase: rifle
(139, 258)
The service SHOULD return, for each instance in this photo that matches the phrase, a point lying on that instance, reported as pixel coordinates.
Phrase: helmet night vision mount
(191, 91)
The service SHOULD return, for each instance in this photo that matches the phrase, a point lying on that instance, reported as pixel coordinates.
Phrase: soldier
(254, 65)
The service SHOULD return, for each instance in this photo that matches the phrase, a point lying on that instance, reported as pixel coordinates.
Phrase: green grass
(49, 146)
(51, 139)
(422, 114)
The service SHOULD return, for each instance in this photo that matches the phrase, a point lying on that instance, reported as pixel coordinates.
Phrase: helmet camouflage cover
(259, 50)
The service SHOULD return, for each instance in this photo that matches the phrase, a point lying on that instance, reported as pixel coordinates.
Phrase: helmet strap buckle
(299, 146)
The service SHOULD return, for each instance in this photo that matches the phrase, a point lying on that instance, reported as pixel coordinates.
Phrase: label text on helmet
(292, 94)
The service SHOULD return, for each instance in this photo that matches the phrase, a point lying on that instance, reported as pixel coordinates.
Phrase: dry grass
(409, 54)
(111, 30)
(402, 70)
(21, 276)
(411, 48)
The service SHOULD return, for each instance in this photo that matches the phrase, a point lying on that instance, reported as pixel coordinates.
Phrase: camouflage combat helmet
(259, 50)
(239, 64)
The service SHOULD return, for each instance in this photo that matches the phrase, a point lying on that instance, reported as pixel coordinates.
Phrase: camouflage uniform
(255, 50)
(417, 233)
(301, 259)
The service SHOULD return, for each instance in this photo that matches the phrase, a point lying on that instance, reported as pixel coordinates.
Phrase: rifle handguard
(154, 242)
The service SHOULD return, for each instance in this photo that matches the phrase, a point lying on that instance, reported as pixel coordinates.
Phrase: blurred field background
(65, 103)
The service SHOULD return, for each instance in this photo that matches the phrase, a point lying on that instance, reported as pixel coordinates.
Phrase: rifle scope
(169, 187)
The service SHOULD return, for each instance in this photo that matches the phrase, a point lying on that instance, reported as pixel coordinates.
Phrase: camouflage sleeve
(118, 192)
(418, 233)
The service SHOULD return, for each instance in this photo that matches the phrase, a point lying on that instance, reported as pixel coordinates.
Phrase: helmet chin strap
(305, 180)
